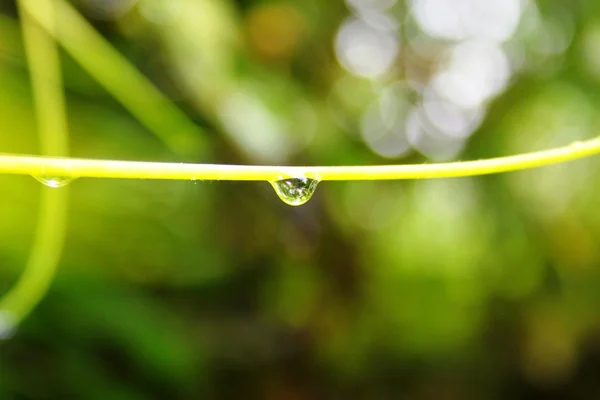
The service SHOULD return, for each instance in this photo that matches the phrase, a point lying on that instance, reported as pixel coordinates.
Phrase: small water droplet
(8, 325)
(54, 181)
(295, 191)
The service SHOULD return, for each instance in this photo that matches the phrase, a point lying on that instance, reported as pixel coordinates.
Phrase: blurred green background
(484, 287)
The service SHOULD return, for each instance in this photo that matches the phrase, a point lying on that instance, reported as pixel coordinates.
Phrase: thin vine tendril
(80, 168)
(42, 55)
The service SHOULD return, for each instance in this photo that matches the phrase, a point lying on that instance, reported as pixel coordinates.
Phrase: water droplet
(54, 181)
(295, 191)
(8, 325)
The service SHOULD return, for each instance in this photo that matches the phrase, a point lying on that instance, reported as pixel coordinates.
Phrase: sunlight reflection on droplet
(295, 191)
(54, 182)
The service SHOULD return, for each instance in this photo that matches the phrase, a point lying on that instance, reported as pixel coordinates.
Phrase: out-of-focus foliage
(484, 287)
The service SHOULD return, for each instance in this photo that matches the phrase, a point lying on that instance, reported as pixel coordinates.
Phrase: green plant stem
(122, 80)
(45, 73)
(80, 168)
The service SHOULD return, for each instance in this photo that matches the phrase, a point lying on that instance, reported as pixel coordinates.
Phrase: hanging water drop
(54, 181)
(295, 191)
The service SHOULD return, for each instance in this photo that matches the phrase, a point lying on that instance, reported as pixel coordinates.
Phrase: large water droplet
(8, 325)
(54, 181)
(295, 191)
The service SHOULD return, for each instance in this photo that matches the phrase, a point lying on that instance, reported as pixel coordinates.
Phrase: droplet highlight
(54, 181)
(295, 191)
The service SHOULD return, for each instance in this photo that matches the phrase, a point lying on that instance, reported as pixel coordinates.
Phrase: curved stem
(79, 168)
(45, 73)
(45, 254)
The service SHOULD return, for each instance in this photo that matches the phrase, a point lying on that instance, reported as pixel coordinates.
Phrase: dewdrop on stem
(295, 191)
(54, 181)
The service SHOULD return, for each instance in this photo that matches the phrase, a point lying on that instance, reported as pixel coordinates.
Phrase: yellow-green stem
(80, 168)
(46, 80)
